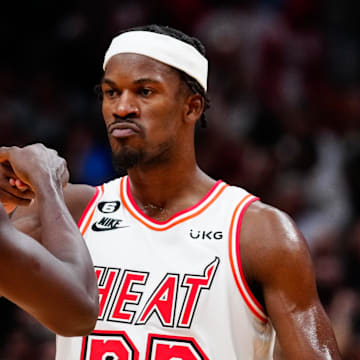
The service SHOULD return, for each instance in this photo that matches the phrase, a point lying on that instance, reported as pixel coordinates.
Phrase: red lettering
(101, 345)
(195, 283)
(168, 352)
(106, 281)
(162, 347)
(162, 302)
(127, 296)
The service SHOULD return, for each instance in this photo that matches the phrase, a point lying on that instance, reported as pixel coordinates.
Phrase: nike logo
(106, 224)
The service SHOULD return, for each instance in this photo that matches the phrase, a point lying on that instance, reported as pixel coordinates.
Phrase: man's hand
(58, 265)
(24, 170)
(13, 192)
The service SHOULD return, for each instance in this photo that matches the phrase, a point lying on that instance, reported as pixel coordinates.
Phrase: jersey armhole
(235, 259)
(88, 213)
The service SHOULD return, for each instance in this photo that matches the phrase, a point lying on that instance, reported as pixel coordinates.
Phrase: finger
(14, 200)
(28, 194)
(8, 183)
(7, 170)
(17, 183)
(7, 173)
(20, 193)
(25, 194)
(20, 185)
(14, 179)
(63, 173)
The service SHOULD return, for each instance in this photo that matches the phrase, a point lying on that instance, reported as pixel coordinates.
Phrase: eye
(146, 92)
(110, 93)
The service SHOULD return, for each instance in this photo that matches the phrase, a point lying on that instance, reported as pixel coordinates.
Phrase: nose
(126, 106)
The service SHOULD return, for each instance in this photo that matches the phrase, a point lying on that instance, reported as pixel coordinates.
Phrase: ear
(194, 107)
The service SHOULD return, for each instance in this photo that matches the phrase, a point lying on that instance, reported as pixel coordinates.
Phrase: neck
(162, 191)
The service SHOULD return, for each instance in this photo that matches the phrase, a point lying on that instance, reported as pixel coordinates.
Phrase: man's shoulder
(270, 240)
(263, 224)
(77, 197)
(271, 226)
(262, 212)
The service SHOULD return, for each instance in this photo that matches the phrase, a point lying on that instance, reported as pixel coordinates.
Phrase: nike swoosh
(95, 227)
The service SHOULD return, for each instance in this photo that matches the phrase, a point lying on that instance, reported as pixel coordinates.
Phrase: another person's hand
(25, 170)
(3, 216)
(13, 192)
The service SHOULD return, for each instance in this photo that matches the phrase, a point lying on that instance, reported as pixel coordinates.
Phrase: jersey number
(102, 345)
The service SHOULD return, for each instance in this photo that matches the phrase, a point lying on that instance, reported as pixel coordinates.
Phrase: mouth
(123, 130)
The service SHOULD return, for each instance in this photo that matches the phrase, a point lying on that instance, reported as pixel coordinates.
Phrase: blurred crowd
(284, 121)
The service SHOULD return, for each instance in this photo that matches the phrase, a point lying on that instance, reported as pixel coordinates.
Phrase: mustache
(125, 120)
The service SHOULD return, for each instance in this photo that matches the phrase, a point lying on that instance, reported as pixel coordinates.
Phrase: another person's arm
(54, 281)
(277, 258)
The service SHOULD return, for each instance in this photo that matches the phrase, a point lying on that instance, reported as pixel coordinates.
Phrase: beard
(126, 159)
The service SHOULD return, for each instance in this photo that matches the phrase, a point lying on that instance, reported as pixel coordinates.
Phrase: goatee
(125, 159)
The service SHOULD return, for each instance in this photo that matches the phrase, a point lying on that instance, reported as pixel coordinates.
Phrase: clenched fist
(24, 171)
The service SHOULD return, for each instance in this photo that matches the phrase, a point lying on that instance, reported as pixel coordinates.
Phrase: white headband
(163, 48)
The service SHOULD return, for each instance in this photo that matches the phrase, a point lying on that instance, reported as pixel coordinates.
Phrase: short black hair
(193, 84)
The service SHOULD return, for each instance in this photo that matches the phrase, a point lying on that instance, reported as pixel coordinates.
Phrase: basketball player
(55, 282)
(188, 267)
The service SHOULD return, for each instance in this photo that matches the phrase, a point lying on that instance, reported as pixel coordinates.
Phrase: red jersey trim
(90, 209)
(181, 216)
(90, 203)
(235, 259)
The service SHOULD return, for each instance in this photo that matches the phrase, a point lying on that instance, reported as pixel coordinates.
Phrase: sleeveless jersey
(172, 290)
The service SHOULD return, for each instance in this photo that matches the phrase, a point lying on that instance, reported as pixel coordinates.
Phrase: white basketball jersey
(172, 290)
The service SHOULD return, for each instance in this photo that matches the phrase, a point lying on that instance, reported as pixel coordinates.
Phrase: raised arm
(53, 281)
(277, 260)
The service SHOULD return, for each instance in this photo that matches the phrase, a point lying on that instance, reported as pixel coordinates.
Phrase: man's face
(143, 106)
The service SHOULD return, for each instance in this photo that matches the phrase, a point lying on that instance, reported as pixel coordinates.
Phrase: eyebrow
(146, 80)
(107, 81)
(138, 81)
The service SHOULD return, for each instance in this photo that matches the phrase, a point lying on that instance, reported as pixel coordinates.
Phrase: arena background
(284, 121)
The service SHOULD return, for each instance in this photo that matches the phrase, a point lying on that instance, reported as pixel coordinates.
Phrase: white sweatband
(163, 48)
